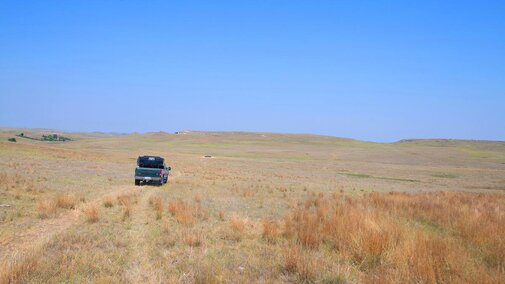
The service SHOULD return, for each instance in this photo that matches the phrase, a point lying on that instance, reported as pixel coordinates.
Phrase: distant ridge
(423, 141)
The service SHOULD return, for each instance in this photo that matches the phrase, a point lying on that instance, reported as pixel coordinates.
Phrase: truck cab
(151, 170)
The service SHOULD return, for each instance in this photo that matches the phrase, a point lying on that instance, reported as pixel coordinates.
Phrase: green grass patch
(361, 175)
(475, 153)
(444, 175)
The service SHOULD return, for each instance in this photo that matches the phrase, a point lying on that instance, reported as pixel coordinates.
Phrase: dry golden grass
(373, 234)
(127, 210)
(91, 213)
(184, 212)
(193, 239)
(238, 224)
(46, 208)
(299, 262)
(248, 193)
(197, 198)
(478, 218)
(157, 204)
(16, 269)
(237, 227)
(205, 274)
(125, 201)
(271, 229)
(65, 201)
(221, 215)
(172, 207)
(108, 201)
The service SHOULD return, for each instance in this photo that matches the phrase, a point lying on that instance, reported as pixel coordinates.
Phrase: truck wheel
(137, 182)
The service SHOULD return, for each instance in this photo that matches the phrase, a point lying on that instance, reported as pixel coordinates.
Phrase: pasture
(251, 207)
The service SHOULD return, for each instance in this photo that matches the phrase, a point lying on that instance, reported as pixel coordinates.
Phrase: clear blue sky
(371, 70)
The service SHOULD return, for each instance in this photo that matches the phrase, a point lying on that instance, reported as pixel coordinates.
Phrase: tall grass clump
(237, 227)
(477, 218)
(65, 201)
(398, 237)
(125, 201)
(157, 204)
(184, 212)
(299, 262)
(46, 208)
(193, 239)
(18, 266)
(271, 229)
(91, 213)
(108, 201)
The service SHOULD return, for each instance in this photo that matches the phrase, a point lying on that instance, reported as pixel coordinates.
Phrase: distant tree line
(50, 137)
(55, 137)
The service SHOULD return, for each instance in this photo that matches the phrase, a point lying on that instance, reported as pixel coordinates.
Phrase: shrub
(11, 139)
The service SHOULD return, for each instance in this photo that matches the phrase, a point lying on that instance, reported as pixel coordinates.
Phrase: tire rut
(141, 269)
(26, 241)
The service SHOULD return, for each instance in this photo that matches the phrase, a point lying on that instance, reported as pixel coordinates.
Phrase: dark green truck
(151, 169)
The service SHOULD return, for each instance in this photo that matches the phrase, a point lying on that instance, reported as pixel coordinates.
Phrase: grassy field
(263, 208)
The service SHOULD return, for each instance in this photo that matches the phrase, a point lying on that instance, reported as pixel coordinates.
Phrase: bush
(12, 139)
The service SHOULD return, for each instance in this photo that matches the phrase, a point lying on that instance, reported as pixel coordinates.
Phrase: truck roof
(156, 157)
(150, 162)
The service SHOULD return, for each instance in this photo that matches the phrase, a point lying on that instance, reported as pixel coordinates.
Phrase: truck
(151, 170)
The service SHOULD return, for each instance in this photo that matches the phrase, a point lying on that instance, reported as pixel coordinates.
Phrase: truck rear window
(151, 162)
